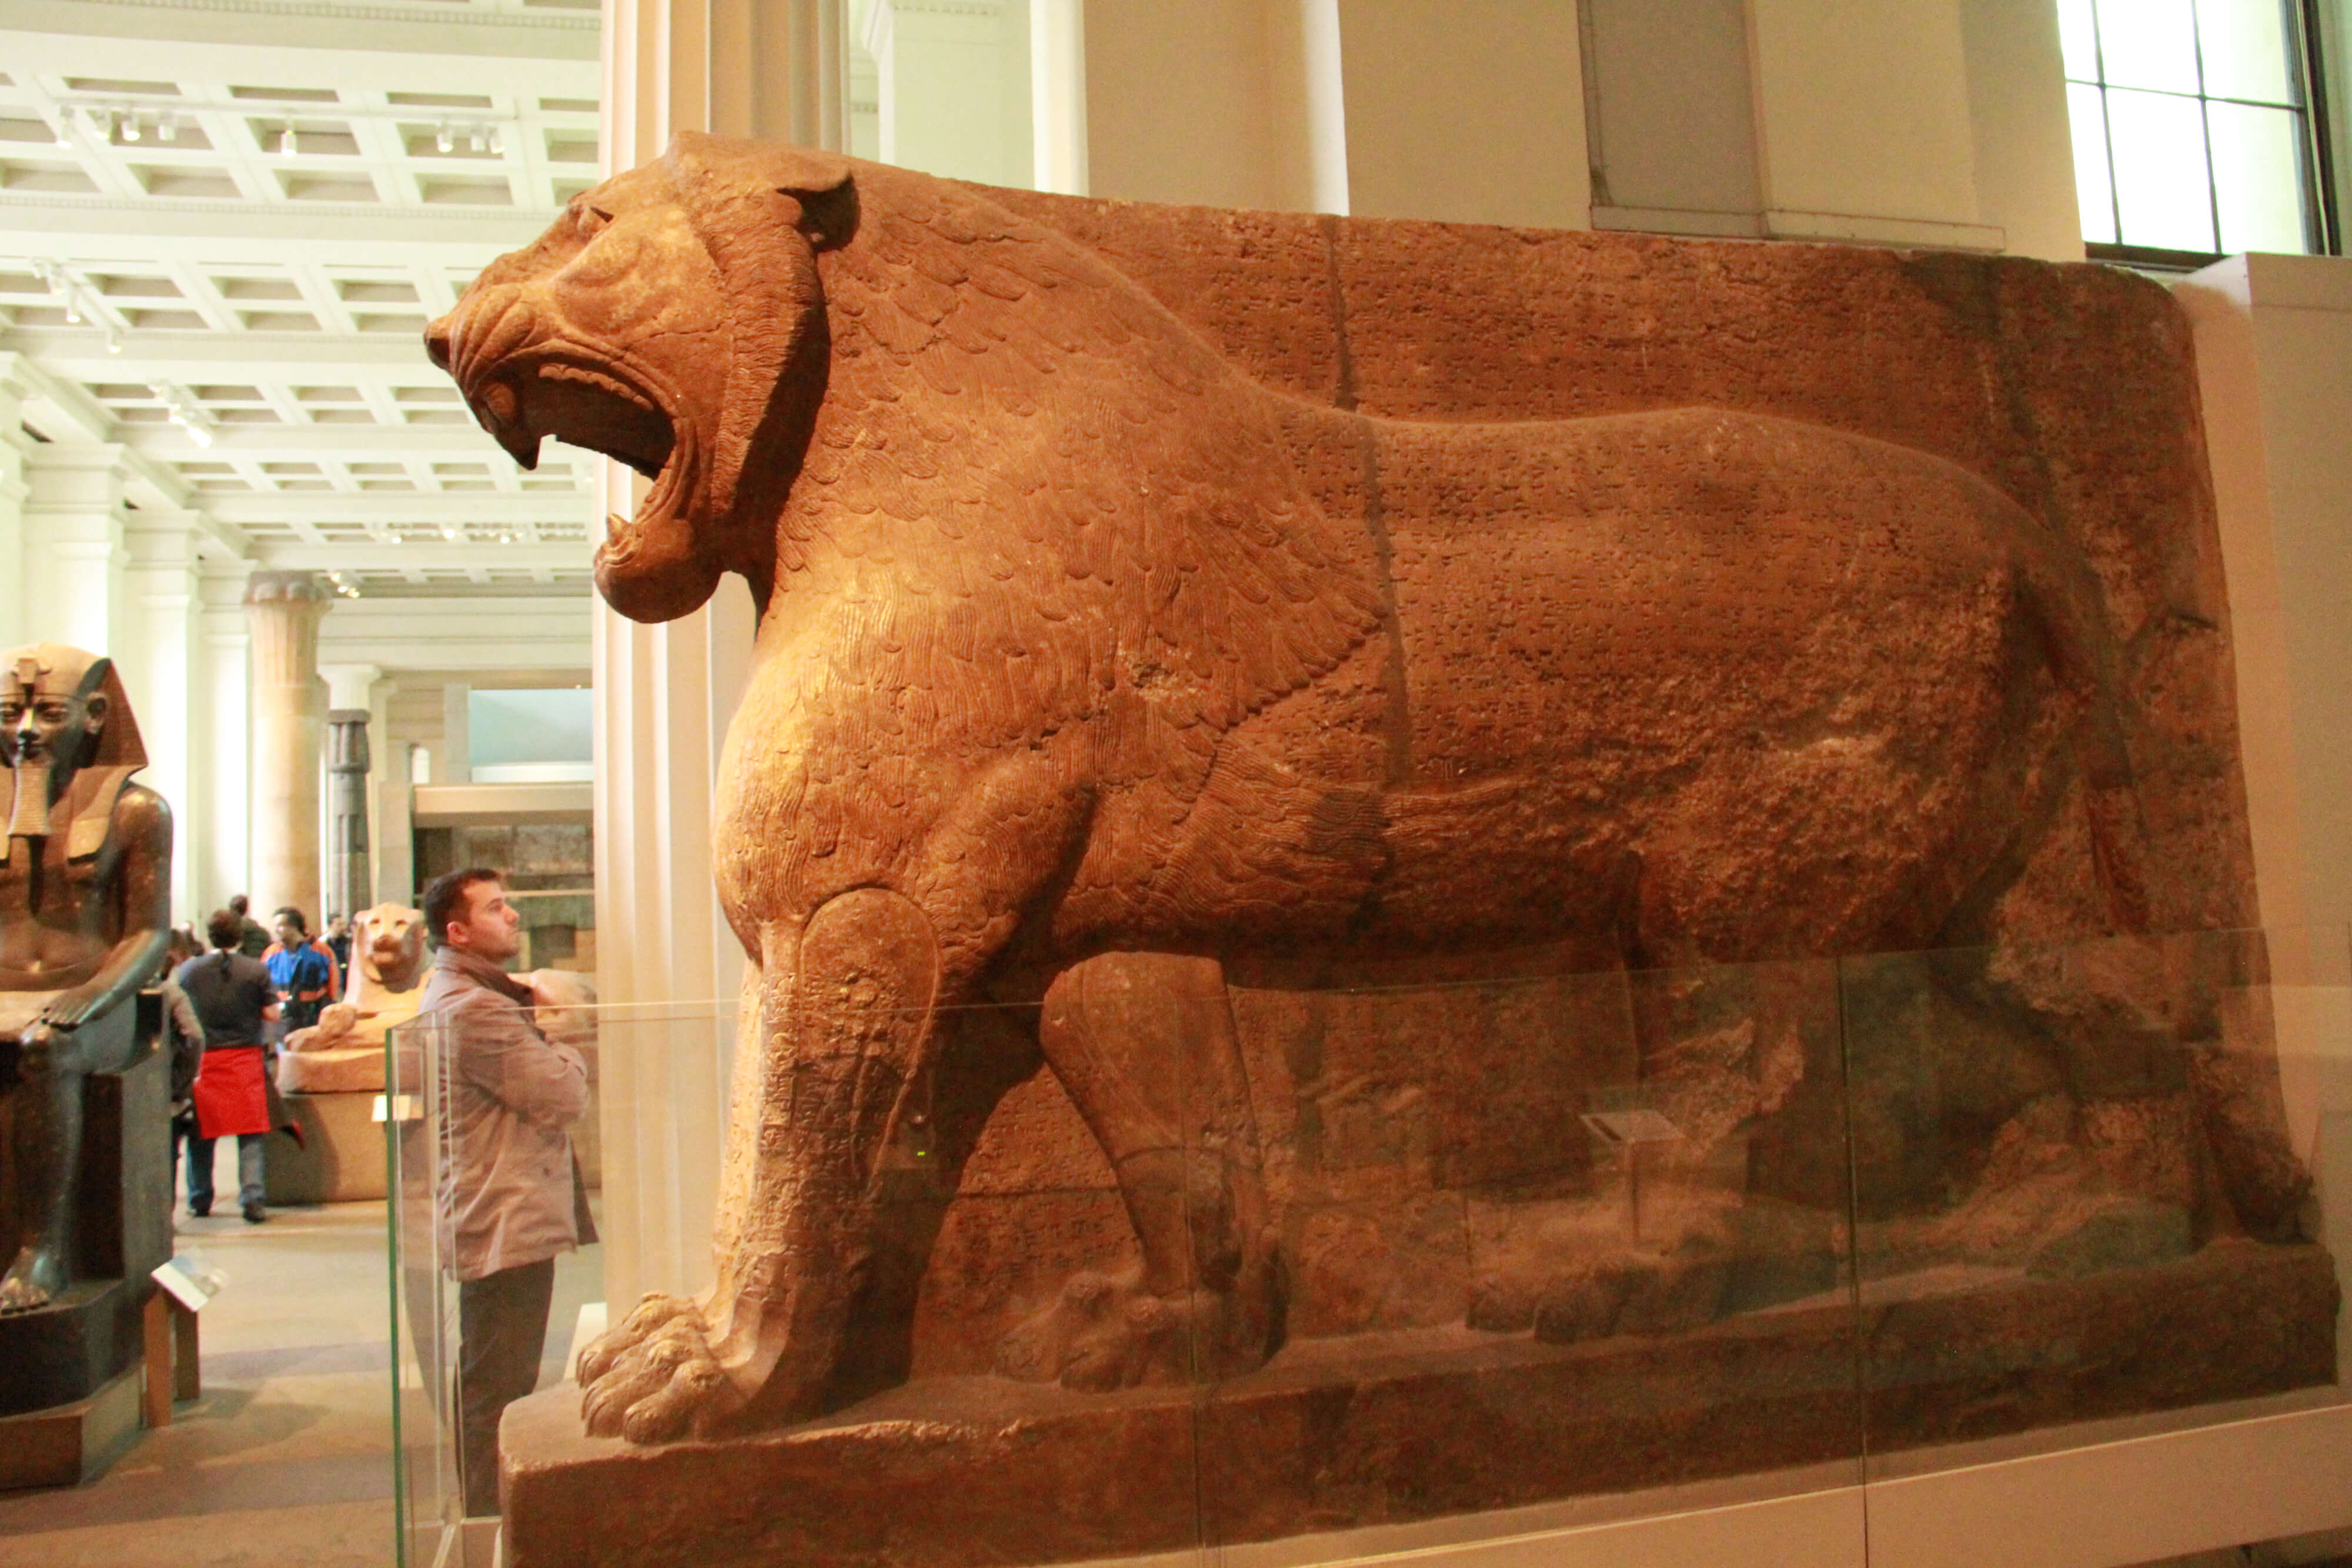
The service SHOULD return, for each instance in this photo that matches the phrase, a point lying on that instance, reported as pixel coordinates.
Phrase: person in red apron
(235, 1001)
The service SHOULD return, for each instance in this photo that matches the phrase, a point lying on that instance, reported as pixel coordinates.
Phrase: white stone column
(219, 832)
(14, 446)
(74, 558)
(289, 740)
(665, 693)
(453, 763)
(1057, 95)
(157, 653)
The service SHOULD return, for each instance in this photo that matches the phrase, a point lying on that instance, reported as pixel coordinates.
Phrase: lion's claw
(655, 1378)
(648, 1319)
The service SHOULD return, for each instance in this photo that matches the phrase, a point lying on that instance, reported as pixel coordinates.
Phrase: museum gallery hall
(952, 782)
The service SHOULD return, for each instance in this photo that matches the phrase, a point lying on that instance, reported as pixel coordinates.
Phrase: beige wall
(1670, 116)
(1470, 111)
(1937, 123)
(2275, 368)
(1180, 103)
(2017, 110)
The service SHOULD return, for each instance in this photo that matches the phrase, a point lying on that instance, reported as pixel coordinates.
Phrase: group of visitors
(225, 1010)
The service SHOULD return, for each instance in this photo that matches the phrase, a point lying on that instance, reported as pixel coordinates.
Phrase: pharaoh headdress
(107, 761)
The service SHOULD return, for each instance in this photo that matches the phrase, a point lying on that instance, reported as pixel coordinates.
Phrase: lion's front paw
(655, 1378)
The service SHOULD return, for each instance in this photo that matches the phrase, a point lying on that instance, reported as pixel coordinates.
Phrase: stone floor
(286, 1459)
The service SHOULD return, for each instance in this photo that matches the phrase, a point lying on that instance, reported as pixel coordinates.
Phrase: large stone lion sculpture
(1088, 666)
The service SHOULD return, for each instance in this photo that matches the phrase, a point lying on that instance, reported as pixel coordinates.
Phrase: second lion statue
(1088, 666)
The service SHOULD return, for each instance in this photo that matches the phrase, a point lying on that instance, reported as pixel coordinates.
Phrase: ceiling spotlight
(63, 139)
(113, 340)
(181, 410)
(285, 140)
(498, 142)
(167, 128)
(73, 306)
(105, 119)
(449, 534)
(479, 139)
(445, 138)
(131, 128)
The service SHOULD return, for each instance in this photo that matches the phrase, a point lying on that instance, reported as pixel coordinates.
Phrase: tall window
(2192, 125)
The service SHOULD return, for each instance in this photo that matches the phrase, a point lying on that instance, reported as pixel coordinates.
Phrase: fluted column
(14, 445)
(219, 833)
(73, 552)
(282, 610)
(665, 693)
(157, 652)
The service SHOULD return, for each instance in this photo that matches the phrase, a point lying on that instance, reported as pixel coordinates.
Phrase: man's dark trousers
(501, 1334)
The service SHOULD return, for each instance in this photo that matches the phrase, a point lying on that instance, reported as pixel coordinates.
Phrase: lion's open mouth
(599, 410)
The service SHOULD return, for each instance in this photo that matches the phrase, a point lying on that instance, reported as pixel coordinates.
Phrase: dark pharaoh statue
(84, 921)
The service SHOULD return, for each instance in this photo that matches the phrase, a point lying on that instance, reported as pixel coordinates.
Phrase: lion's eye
(590, 221)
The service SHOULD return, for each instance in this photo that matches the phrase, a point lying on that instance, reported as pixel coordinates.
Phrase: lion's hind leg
(1145, 1045)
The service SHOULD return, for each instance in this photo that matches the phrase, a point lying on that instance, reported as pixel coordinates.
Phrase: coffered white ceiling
(224, 224)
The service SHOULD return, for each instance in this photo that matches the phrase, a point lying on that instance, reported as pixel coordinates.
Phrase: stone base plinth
(1379, 1429)
(59, 1354)
(342, 1160)
(339, 1070)
(69, 1444)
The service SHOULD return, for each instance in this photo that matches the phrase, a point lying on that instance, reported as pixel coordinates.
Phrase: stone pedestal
(69, 1444)
(343, 1157)
(1383, 1428)
(60, 1365)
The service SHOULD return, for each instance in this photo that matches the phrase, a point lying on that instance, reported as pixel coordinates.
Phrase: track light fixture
(181, 409)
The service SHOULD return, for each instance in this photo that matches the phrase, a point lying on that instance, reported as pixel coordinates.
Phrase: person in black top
(253, 938)
(183, 1031)
(234, 1000)
(339, 943)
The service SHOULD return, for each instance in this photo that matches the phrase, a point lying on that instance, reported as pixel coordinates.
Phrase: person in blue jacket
(301, 969)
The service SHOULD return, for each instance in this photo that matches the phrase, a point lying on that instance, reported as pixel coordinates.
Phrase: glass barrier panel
(2095, 1187)
(1546, 1251)
(1295, 1265)
(424, 1328)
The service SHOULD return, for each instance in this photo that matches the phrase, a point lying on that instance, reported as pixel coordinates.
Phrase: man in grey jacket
(509, 1200)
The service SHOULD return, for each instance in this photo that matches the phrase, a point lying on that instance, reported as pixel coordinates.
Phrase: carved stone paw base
(1376, 1429)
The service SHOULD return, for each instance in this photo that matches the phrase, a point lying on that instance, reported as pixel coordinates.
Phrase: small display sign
(191, 1279)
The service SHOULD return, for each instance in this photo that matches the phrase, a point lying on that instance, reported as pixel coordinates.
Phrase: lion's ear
(828, 211)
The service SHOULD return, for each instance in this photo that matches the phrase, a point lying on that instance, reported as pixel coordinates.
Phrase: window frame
(2315, 151)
